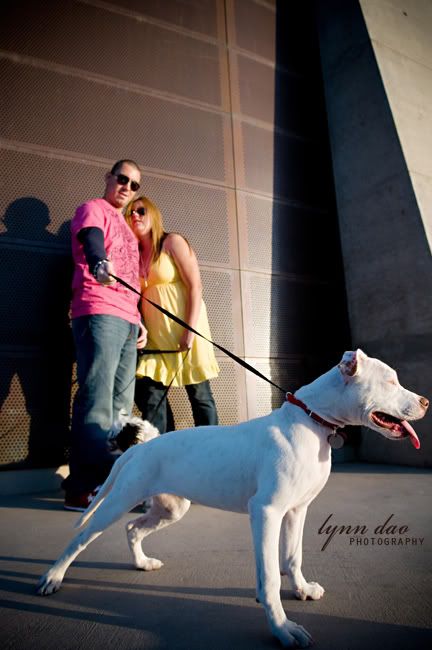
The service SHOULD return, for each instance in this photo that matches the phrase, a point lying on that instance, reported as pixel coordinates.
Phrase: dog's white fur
(271, 467)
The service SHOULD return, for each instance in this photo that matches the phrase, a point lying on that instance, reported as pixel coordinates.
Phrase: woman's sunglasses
(141, 211)
(122, 179)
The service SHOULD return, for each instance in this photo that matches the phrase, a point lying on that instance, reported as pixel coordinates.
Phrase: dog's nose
(424, 402)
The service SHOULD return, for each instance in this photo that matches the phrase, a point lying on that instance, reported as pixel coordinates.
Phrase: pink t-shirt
(121, 245)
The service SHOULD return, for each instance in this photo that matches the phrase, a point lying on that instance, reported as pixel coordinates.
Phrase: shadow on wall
(36, 343)
(309, 323)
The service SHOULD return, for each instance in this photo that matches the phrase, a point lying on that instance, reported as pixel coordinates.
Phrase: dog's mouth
(398, 428)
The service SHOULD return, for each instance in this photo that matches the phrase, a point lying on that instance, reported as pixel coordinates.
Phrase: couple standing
(122, 234)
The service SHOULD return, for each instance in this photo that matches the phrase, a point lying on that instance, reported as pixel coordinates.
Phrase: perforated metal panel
(263, 397)
(199, 16)
(254, 28)
(261, 89)
(280, 238)
(221, 294)
(51, 189)
(40, 206)
(115, 46)
(285, 166)
(106, 122)
(37, 284)
(35, 397)
(15, 420)
(281, 32)
(275, 305)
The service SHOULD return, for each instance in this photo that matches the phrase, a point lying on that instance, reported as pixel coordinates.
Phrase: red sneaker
(79, 502)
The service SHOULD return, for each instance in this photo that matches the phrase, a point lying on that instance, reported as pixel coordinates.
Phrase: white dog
(271, 467)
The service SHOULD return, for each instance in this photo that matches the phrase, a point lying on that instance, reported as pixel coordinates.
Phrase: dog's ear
(351, 363)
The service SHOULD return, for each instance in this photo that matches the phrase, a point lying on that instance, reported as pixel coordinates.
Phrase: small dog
(129, 430)
(271, 467)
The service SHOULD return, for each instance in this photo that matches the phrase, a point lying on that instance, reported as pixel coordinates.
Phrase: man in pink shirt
(106, 326)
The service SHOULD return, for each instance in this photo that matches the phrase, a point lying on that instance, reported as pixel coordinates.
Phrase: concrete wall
(376, 61)
(400, 33)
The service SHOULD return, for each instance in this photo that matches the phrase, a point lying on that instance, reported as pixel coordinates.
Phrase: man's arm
(92, 239)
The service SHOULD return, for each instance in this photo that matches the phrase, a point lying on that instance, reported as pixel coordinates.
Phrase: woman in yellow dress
(170, 277)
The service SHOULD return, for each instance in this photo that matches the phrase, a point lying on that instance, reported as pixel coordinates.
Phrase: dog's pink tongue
(412, 434)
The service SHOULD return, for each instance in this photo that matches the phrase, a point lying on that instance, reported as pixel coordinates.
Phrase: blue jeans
(148, 395)
(106, 362)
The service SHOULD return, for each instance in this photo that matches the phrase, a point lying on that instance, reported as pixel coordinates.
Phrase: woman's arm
(187, 265)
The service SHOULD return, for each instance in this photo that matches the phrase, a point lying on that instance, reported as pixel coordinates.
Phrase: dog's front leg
(265, 523)
(291, 544)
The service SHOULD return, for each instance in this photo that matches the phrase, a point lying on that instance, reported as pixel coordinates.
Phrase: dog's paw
(48, 585)
(310, 591)
(292, 635)
(149, 564)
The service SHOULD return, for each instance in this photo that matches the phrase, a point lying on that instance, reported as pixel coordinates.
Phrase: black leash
(165, 393)
(147, 351)
(335, 440)
(178, 320)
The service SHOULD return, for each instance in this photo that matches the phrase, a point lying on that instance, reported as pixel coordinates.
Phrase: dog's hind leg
(291, 543)
(110, 510)
(166, 510)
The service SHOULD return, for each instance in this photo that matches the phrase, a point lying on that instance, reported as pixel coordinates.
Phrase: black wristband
(97, 266)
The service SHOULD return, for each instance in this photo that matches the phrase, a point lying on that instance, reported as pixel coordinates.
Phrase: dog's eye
(392, 381)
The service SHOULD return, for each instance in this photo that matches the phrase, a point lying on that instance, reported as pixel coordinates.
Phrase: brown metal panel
(68, 113)
(35, 343)
(253, 27)
(34, 293)
(221, 294)
(40, 206)
(253, 86)
(285, 316)
(283, 33)
(276, 237)
(199, 16)
(15, 419)
(258, 89)
(35, 405)
(119, 47)
(284, 166)
(262, 397)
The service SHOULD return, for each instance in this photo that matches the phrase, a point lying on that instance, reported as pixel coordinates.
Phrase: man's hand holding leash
(103, 273)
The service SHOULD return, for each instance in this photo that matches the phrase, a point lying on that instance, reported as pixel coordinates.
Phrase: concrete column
(376, 63)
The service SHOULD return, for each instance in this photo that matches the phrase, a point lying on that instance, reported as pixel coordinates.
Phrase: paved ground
(378, 594)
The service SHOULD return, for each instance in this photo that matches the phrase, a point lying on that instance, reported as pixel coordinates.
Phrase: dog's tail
(106, 487)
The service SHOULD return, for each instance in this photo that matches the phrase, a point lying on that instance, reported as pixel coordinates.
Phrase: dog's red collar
(293, 400)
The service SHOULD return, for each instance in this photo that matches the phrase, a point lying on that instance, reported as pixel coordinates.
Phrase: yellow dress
(165, 287)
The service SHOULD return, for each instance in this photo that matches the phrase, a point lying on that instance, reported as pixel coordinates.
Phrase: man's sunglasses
(122, 179)
(141, 211)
